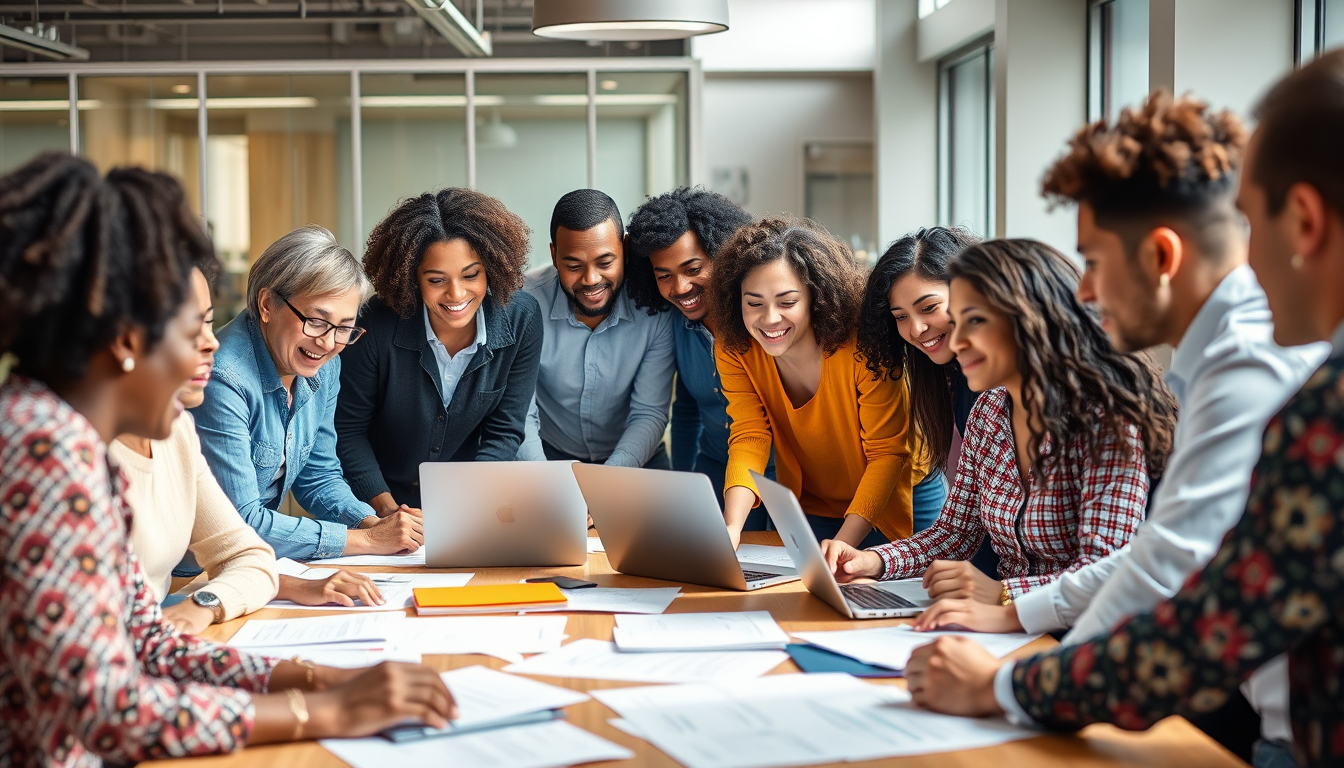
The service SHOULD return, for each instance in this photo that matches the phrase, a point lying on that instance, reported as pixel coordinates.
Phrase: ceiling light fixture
(628, 20)
(496, 134)
(448, 21)
(42, 40)
(240, 102)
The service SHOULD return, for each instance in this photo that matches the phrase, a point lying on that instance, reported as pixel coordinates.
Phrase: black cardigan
(390, 415)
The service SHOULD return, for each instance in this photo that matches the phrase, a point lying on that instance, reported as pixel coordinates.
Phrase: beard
(602, 311)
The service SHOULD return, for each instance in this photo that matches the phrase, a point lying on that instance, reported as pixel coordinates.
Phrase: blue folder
(810, 658)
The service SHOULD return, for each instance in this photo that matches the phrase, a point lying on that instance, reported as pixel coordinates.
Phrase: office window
(414, 139)
(532, 145)
(1117, 56)
(1320, 27)
(966, 141)
(34, 118)
(277, 158)
(838, 193)
(641, 135)
(146, 121)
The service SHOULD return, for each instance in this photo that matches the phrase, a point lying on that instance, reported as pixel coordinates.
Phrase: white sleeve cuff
(1003, 694)
(1036, 610)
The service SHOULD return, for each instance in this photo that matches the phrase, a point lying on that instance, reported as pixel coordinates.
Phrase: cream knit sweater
(178, 505)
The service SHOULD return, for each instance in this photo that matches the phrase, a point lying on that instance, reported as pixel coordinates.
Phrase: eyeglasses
(316, 327)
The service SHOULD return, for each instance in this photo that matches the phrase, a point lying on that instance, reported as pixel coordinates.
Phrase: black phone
(563, 582)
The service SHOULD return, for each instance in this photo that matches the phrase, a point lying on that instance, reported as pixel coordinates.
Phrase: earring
(1164, 281)
(128, 364)
(1297, 261)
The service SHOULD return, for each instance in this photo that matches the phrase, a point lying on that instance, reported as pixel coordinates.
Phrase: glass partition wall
(275, 147)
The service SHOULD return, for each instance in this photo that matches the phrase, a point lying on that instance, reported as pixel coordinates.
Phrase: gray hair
(306, 262)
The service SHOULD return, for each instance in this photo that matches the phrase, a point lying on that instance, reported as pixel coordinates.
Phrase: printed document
(740, 631)
(614, 600)
(493, 635)
(540, 745)
(366, 630)
(764, 555)
(891, 647)
(396, 589)
(599, 660)
(415, 559)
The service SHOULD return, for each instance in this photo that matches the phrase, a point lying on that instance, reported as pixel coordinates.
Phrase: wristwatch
(211, 601)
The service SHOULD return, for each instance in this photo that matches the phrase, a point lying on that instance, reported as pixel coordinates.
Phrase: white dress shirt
(1229, 378)
(451, 367)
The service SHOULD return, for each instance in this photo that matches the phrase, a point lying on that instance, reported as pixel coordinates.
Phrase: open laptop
(882, 600)
(482, 514)
(668, 525)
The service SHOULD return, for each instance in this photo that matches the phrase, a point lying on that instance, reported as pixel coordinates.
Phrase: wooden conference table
(1174, 742)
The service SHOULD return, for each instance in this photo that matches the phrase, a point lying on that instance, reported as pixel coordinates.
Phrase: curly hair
(887, 354)
(1073, 381)
(397, 245)
(83, 257)
(663, 220)
(824, 264)
(1169, 158)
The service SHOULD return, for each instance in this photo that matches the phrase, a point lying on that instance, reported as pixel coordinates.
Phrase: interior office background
(874, 117)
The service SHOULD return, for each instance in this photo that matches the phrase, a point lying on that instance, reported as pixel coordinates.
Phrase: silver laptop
(482, 514)
(882, 600)
(668, 525)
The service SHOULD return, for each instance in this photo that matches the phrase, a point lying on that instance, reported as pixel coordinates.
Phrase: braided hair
(83, 257)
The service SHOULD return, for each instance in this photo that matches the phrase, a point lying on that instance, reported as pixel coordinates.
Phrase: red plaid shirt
(88, 670)
(1081, 512)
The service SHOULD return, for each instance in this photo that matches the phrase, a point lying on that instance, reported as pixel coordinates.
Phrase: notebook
(499, 598)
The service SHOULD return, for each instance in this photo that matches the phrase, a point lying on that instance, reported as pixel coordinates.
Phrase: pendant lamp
(628, 20)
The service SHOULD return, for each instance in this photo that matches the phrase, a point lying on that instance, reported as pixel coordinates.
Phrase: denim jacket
(248, 430)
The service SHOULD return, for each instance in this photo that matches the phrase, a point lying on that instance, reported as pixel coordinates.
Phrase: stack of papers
(614, 600)
(505, 637)
(360, 631)
(599, 660)
(891, 647)
(793, 720)
(395, 587)
(744, 631)
(486, 698)
(415, 559)
(544, 745)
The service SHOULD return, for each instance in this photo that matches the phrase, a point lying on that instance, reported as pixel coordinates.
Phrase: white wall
(906, 105)
(760, 123)
(790, 36)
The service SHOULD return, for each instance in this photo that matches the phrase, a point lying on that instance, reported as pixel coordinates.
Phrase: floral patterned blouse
(1276, 586)
(88, 671)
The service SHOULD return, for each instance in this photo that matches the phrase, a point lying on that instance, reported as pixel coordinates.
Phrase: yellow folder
(431, 601)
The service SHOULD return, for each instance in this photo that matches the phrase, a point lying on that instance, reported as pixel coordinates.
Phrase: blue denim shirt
(700, 423)
(248, 430)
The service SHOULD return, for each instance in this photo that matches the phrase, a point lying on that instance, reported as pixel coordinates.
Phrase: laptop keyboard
(865, 596)
(758, 575)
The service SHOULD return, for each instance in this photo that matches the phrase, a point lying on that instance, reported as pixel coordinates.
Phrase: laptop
(881, 600)
(489, 514)
(668, 525)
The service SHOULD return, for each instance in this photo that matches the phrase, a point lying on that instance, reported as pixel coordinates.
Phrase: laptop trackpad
(910, 589)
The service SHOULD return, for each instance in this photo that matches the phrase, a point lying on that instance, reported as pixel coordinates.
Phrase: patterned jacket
(1275, 586)
(1082, 511)
(88, 672)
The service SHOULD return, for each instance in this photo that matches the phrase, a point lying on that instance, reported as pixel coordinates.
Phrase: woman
(179, 508)
(95, 305)
(266, 424)
(673, 240)
(904, 332)
(450, 363)
(784, 301)
(1060, 449)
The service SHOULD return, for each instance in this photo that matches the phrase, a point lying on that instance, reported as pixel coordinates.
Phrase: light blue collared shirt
(451, 367)
(602, 394)
(1229, 378)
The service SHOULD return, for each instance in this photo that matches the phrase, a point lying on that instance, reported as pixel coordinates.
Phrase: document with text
(745, 631)
(891, 647)
(599, 660)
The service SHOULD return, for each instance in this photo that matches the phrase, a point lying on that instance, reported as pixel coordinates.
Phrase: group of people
(962, 399)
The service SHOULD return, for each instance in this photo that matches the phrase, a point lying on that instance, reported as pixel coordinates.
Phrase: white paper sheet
(614, 600)
(599, 660)
(764, 555)
(414, 560)
(786, 720)
(746, 630)
(542, 745)
(891, 647)
(595, 545)
(350, 658)
(396, 589)
(482, 695)
(366, 630)
(493, 635)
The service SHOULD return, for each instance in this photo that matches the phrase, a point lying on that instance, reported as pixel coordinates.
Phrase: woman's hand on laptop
(398, 532)
(969, 614)
(850, 564)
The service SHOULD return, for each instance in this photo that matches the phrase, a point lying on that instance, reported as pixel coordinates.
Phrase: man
(1274, 586)
(673, 241)
(606, 370)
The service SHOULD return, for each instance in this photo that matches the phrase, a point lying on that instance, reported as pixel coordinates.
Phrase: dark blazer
(390, 415)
